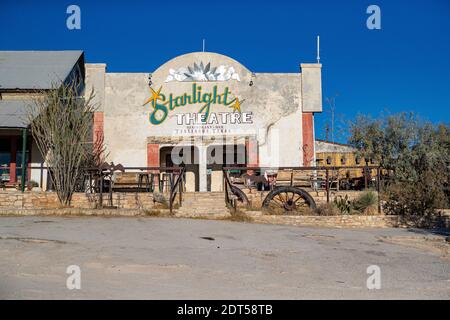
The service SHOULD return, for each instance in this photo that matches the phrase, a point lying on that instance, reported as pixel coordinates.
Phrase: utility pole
(331, 103)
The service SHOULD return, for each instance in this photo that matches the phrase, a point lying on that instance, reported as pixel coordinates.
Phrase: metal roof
(14, 113)
(36, 69)
(325, 146)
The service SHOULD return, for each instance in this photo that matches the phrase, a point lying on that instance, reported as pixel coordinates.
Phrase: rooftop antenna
(203, 45)
(318, 49)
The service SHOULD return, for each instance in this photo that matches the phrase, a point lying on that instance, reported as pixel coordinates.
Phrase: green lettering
(153, 117)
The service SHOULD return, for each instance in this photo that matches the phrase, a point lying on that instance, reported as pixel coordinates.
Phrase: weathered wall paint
(274, 105)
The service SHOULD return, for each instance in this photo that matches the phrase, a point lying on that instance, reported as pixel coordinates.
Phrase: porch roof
(13, 113)
(25, 70)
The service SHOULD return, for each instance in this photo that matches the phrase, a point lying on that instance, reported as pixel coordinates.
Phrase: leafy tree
(416, 154)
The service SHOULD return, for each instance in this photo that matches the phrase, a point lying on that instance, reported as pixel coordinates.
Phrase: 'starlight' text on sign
(163, 104)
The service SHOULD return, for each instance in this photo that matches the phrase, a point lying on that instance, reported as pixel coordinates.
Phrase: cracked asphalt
(163, 258)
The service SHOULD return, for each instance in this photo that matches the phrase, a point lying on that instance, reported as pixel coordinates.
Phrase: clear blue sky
(405, 66)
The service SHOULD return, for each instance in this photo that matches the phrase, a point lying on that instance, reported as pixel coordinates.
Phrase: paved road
(156, 258)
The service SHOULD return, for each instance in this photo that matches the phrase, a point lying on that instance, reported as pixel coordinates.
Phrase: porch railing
(97, 180)
(317, 183)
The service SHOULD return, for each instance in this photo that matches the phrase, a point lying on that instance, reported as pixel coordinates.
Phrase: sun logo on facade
(201, 72)
(155, 95)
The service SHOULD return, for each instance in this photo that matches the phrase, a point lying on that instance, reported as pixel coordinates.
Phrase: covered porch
(18, 151)
(15, 156)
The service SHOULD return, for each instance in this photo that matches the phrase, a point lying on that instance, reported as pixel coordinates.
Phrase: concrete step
(203, 204)
(203, 194)
(203, 213)
(202, 208)
(204, 198)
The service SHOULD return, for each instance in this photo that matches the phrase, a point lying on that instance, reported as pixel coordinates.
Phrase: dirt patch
(138, 268)
(435, 245)
(319, 237)
(33, 240)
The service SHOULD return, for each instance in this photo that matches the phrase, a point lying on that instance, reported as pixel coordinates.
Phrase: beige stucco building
(204, 110)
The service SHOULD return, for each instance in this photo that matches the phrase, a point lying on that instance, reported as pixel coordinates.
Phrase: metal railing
(100, 181)
(173, 190)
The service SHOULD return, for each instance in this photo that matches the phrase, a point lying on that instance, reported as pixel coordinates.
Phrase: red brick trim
(251, 147)
(152, 155)
(308, 138)
(98, 130)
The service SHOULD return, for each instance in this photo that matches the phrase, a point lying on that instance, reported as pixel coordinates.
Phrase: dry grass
(239, 216)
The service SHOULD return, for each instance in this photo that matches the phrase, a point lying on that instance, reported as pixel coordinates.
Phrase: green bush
(343, 204)
(415, 157)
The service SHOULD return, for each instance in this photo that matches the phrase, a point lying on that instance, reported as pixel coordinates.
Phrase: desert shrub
(159, 197)
(61, 125)
(422, 198)
(367, 200)
(343, 204)
(327, 209)
(32, 184)
(239, 216)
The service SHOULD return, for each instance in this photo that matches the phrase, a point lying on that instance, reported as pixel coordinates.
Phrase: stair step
(204, 198)
(209, 204)
(204, 213)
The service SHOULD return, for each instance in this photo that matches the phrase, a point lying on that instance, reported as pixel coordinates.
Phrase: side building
(24, 75)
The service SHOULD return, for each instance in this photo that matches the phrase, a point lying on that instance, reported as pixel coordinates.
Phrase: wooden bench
(135, 181)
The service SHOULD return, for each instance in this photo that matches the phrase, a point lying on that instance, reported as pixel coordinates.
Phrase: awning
(14, 113)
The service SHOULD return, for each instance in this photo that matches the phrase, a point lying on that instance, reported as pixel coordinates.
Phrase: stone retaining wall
(49, 200)
(123, 200)
(353, 221)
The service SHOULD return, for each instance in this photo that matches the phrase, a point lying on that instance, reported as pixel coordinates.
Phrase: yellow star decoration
(237, 105)
(155, 96)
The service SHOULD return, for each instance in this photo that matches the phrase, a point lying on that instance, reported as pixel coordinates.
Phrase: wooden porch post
(24, 157)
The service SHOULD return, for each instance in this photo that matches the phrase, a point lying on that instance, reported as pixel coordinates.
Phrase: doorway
(183, 156)
(219, 156)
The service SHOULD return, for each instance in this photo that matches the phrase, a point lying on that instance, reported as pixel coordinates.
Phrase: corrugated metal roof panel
(14, 113)
(35, 69)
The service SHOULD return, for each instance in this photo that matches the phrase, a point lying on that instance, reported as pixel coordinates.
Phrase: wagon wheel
(241, 197)
(288, 200)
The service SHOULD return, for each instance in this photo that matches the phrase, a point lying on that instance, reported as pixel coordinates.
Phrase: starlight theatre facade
(204, 110)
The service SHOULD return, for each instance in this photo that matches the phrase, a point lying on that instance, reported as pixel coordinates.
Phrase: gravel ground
(163, 258)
